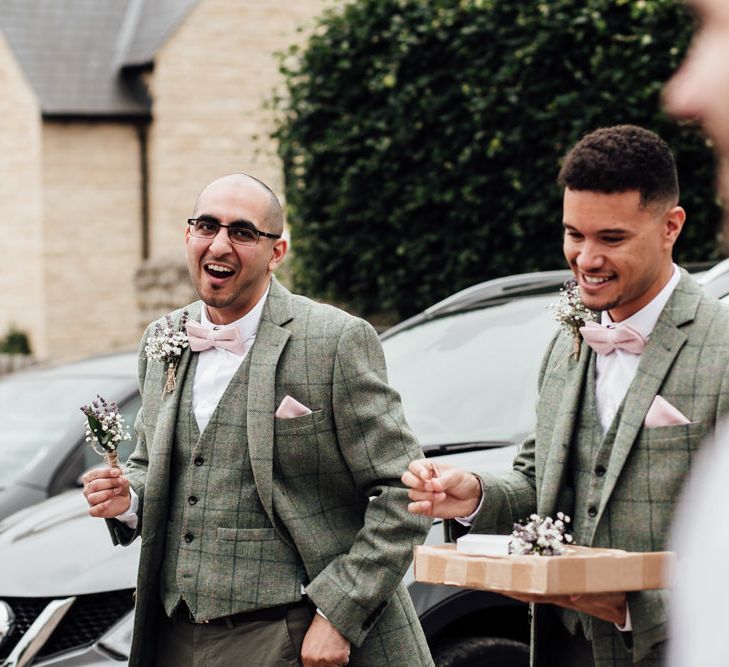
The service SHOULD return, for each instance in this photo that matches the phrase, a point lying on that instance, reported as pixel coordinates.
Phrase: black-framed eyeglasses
(238, 233)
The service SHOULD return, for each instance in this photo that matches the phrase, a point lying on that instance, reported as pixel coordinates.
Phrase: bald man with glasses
(265, 486)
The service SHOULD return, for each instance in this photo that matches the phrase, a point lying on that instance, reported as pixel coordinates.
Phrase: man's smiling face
(619, 249)
(231, 278)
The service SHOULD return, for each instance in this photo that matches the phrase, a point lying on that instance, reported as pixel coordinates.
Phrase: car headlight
(118, 640)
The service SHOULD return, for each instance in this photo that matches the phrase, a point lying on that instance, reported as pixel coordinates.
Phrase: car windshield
(37, 410)
(472, 377)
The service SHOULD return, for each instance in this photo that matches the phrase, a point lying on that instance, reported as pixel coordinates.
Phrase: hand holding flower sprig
(541, 537)
(105, 428)
(572, 314)
(166, 344)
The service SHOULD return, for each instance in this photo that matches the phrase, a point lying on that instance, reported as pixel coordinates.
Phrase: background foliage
(14, 342)
(421, 139)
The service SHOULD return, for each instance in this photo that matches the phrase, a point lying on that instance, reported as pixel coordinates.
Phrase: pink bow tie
(605, 340)
(202, 338)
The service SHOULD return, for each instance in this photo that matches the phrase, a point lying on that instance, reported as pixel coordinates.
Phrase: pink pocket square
(662, 413)
(290, 407)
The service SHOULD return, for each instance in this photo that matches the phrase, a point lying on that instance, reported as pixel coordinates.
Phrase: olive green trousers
(271, 643)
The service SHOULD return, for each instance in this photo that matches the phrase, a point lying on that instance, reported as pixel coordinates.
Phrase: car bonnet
(56, 549)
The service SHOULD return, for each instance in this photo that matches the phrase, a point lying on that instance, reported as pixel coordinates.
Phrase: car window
(38, 411)
(472, 377)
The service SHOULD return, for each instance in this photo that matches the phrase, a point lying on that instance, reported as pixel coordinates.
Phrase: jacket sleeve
(510, 497)
(135, 469)
(377, 445)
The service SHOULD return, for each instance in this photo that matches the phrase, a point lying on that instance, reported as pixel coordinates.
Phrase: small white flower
(542, 537)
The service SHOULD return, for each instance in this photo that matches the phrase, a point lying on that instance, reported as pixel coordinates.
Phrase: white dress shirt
(615, 372)
(215, 369)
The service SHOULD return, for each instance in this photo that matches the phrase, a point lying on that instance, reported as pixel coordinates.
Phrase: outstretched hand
(438, 490)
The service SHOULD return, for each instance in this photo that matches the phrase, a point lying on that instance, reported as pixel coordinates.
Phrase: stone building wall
(163, 285)
(21, 238)
(92, 233)
(209, 85)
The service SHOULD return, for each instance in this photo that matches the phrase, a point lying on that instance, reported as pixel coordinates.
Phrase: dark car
(42, 449)
(467, 371)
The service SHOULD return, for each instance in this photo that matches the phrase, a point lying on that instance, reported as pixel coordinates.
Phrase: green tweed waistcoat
(223, 556)
(588, 461)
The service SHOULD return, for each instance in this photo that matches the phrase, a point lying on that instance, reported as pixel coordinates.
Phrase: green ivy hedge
(421, 139)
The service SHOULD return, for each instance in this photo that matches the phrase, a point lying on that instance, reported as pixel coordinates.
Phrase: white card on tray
(484, 545)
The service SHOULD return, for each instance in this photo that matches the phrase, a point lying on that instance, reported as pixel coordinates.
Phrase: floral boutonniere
(572, 314)
(105, 428)
(166, 344)
(541, 536)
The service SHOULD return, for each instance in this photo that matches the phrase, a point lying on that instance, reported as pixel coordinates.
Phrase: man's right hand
(107, 492)
(437, 490)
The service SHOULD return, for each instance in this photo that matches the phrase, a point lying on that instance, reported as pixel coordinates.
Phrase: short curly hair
(620, 159)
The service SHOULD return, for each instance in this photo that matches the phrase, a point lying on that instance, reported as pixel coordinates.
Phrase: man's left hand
(324, 645)
(611, 607)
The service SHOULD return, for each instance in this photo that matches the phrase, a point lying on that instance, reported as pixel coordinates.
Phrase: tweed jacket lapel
(555, 466)
(158, 474)
(656, 361)
(270, 342)
(167, 416)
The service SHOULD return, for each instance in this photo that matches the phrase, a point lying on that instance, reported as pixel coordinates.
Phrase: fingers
(109, 509)
(107, 492)
(100, 473)
(101, 510)
(427, 495)
(422, 507)
(104, 485)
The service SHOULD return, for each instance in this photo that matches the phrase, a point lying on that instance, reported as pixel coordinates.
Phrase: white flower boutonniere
(572, 314)
(541, 537)
(105, 428)
(166, 344)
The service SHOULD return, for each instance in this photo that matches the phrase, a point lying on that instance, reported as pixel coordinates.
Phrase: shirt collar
(644, 321)
(246, 325)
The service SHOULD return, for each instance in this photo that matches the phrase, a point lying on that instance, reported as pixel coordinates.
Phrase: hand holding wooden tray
(580, 570)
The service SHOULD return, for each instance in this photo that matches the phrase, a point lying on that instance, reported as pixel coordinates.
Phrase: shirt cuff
(468, 520)
(130, 518)
(628, 627)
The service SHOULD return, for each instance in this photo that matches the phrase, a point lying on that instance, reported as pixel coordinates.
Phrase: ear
(278, 253)
(673, 221)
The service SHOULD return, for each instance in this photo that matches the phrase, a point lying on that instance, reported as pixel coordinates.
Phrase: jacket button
(592, 511)
(192, 500)
(189, 537)
(600, 470)
(199, 460)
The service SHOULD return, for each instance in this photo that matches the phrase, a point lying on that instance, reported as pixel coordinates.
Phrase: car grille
(87, 620)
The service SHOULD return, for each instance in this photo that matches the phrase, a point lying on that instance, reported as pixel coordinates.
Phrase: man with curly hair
(618, 423)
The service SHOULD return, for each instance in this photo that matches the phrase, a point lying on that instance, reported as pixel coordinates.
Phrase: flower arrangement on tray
(541, 536)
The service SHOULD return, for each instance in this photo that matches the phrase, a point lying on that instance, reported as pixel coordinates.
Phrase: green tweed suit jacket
(686, 361)
(336, 494)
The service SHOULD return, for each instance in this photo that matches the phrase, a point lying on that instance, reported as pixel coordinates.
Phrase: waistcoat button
(592, 511)
(192, 500)
(199, 460)
(600, 470)
(189, 537)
